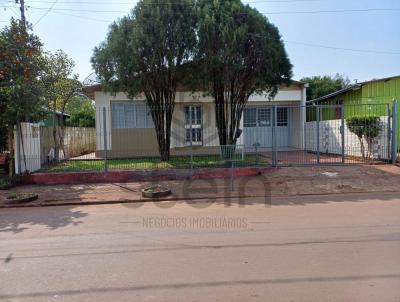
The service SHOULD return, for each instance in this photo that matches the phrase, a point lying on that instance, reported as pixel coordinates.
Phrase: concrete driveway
(316, 248)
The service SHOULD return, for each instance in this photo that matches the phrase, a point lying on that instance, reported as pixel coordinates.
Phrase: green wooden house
(365, 98)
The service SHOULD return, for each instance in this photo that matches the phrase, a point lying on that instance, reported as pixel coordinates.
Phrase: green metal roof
(352, 87)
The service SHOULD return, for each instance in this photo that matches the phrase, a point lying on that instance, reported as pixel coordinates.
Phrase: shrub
(6, 182)
(365, 128)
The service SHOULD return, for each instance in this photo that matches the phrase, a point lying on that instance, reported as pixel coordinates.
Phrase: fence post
(395, 116)
(318, 138)
(17, 151)
(342, 132)
(389, 133)
(191, 139)
(105, 138)
(274, 144)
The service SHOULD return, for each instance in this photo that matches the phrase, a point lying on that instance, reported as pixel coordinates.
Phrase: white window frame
(196, 124)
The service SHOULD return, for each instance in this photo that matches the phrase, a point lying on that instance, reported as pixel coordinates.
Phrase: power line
(177, 3)
(82, 17)
(335, 11)
(345, 49)
(394, 9)
(46, 13)
(61, 11)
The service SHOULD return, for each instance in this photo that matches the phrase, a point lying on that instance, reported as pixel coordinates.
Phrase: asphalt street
(310, 248)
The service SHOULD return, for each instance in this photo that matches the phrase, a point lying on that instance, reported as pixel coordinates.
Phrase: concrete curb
(133, 201)
(74, 178)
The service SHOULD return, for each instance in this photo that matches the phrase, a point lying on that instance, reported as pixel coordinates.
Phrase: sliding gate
(321, 134)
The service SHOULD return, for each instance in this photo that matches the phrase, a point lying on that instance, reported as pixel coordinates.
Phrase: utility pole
(18, 133)
(22, 10)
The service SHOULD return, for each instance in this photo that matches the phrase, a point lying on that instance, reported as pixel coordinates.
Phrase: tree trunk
(228, 112)
(160, 95)
(362, 147)
(370, 142)
(162, 119)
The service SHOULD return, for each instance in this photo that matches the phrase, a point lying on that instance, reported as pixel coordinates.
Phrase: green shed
(376, 95)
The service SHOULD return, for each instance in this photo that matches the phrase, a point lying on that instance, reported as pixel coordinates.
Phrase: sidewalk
(290, 181)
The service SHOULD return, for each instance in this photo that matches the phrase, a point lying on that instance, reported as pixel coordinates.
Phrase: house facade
(125, 128)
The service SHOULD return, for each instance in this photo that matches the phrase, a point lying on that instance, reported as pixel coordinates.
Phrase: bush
(365, 128)
(7, 182)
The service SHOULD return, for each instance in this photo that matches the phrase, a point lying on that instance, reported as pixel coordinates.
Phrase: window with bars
(131, 115)
(193, 124)
(264, 117)
(282, 117)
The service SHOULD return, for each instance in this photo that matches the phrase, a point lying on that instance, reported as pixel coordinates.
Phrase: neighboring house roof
(352, 87)
(62, 113)
(51, 111)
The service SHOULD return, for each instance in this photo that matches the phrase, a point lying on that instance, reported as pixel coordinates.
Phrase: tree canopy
(323, 85)
(143, 53)
(60, 82)
(82, 112)
(21, 74)
(241, 53)
(21, 79)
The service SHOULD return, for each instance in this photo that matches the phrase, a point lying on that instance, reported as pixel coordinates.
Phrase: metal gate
(258, 126)
(322, 134)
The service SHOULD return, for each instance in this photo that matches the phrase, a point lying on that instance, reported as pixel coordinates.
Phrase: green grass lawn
(181, 162)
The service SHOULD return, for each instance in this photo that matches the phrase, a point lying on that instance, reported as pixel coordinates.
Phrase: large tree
(323, 85)
(143, 53)
(21, 79)
(242, 53)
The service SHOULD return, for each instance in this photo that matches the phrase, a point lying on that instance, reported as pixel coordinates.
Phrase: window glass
(187, 110)
(196, 135)
(193, 119)
(131, 115)
(250, 115)
(118, 115)
(141, 115)
(198, 115)
(282, 117)
(149, 118)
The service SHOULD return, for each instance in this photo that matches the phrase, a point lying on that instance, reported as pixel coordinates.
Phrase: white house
(130, 130)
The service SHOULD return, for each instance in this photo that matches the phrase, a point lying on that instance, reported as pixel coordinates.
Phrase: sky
(357, 38)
